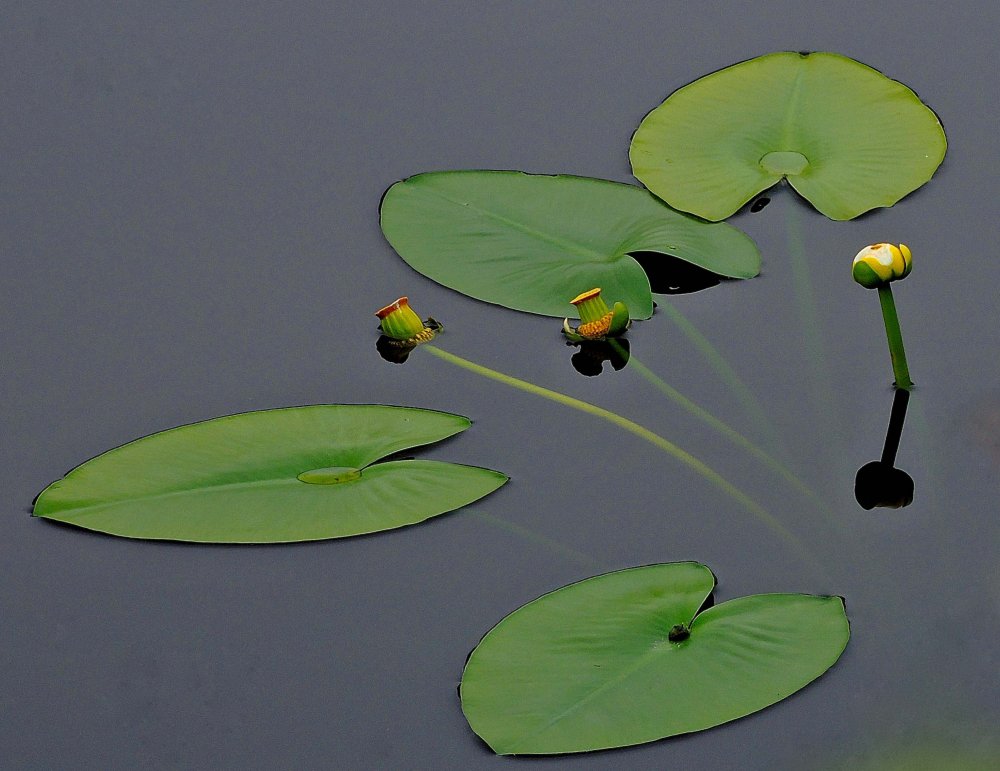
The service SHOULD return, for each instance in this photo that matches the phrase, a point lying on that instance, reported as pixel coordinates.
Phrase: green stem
(669, 447)
(895, 337)
(725, 371)
(727, 431)
(537, 538)
(805, 298)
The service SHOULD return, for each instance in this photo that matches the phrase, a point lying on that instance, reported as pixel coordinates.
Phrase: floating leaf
(533, 242)
(296, 474)
(623, 658)
(846, 137)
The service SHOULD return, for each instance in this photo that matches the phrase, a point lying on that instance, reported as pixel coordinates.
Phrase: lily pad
(626, 658)
(533, 242)
(296, 474)
(845, 136)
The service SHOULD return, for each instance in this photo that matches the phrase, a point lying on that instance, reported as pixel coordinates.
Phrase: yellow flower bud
(878, 264)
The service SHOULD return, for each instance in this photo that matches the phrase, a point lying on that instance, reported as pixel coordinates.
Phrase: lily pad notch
(634, 656)
(271, 476)
(847, 138)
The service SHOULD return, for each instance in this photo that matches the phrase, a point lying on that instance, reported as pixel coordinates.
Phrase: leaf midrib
(790, 119)
(644, 660)
(176, 494)
(640, 663)
(567, 244)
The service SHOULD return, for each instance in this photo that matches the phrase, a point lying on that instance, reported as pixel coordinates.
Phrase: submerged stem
(726, 430)
(667, 446)
(895, 337)
(537, 538)
(827, 406)
(725, 371)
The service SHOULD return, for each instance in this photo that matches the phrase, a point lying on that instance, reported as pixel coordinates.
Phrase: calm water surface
(191, 230)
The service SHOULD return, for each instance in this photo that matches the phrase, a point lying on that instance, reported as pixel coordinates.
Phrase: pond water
(191, 230)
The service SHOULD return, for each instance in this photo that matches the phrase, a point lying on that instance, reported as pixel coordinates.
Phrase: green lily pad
(296, 474)
(626, 658)
(533, 243)
(845, 136)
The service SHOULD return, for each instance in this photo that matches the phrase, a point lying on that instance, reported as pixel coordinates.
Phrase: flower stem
(725, 371)
(683, 456)
(537, 538)
(727, 431)
(895, 337)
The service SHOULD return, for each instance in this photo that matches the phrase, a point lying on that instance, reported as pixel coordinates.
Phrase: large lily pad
(533, 243)
(846, 137)
(593, 665)
(296, 474)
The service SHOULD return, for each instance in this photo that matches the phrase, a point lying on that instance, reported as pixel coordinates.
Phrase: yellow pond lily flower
(878, 264)
(599, 321)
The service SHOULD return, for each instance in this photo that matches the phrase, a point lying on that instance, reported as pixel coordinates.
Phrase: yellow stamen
(596, 329)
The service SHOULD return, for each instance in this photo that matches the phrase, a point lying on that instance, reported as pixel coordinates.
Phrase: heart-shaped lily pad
(846, 137)
(626, 658)
(296, 474)
(534, 242)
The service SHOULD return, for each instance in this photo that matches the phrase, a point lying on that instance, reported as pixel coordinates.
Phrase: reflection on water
(670, 275)
(398, 351)
(591, 354)
(879, 483)
(393, 351)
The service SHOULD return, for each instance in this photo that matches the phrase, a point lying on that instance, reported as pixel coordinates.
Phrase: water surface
(190, 230)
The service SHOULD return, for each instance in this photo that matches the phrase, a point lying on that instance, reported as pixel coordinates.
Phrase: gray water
(190, 230)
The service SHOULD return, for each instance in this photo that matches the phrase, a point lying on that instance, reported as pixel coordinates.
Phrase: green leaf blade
(590, 666)
(761, 649)
(868, 140)
(236, 479)
(534, 242)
